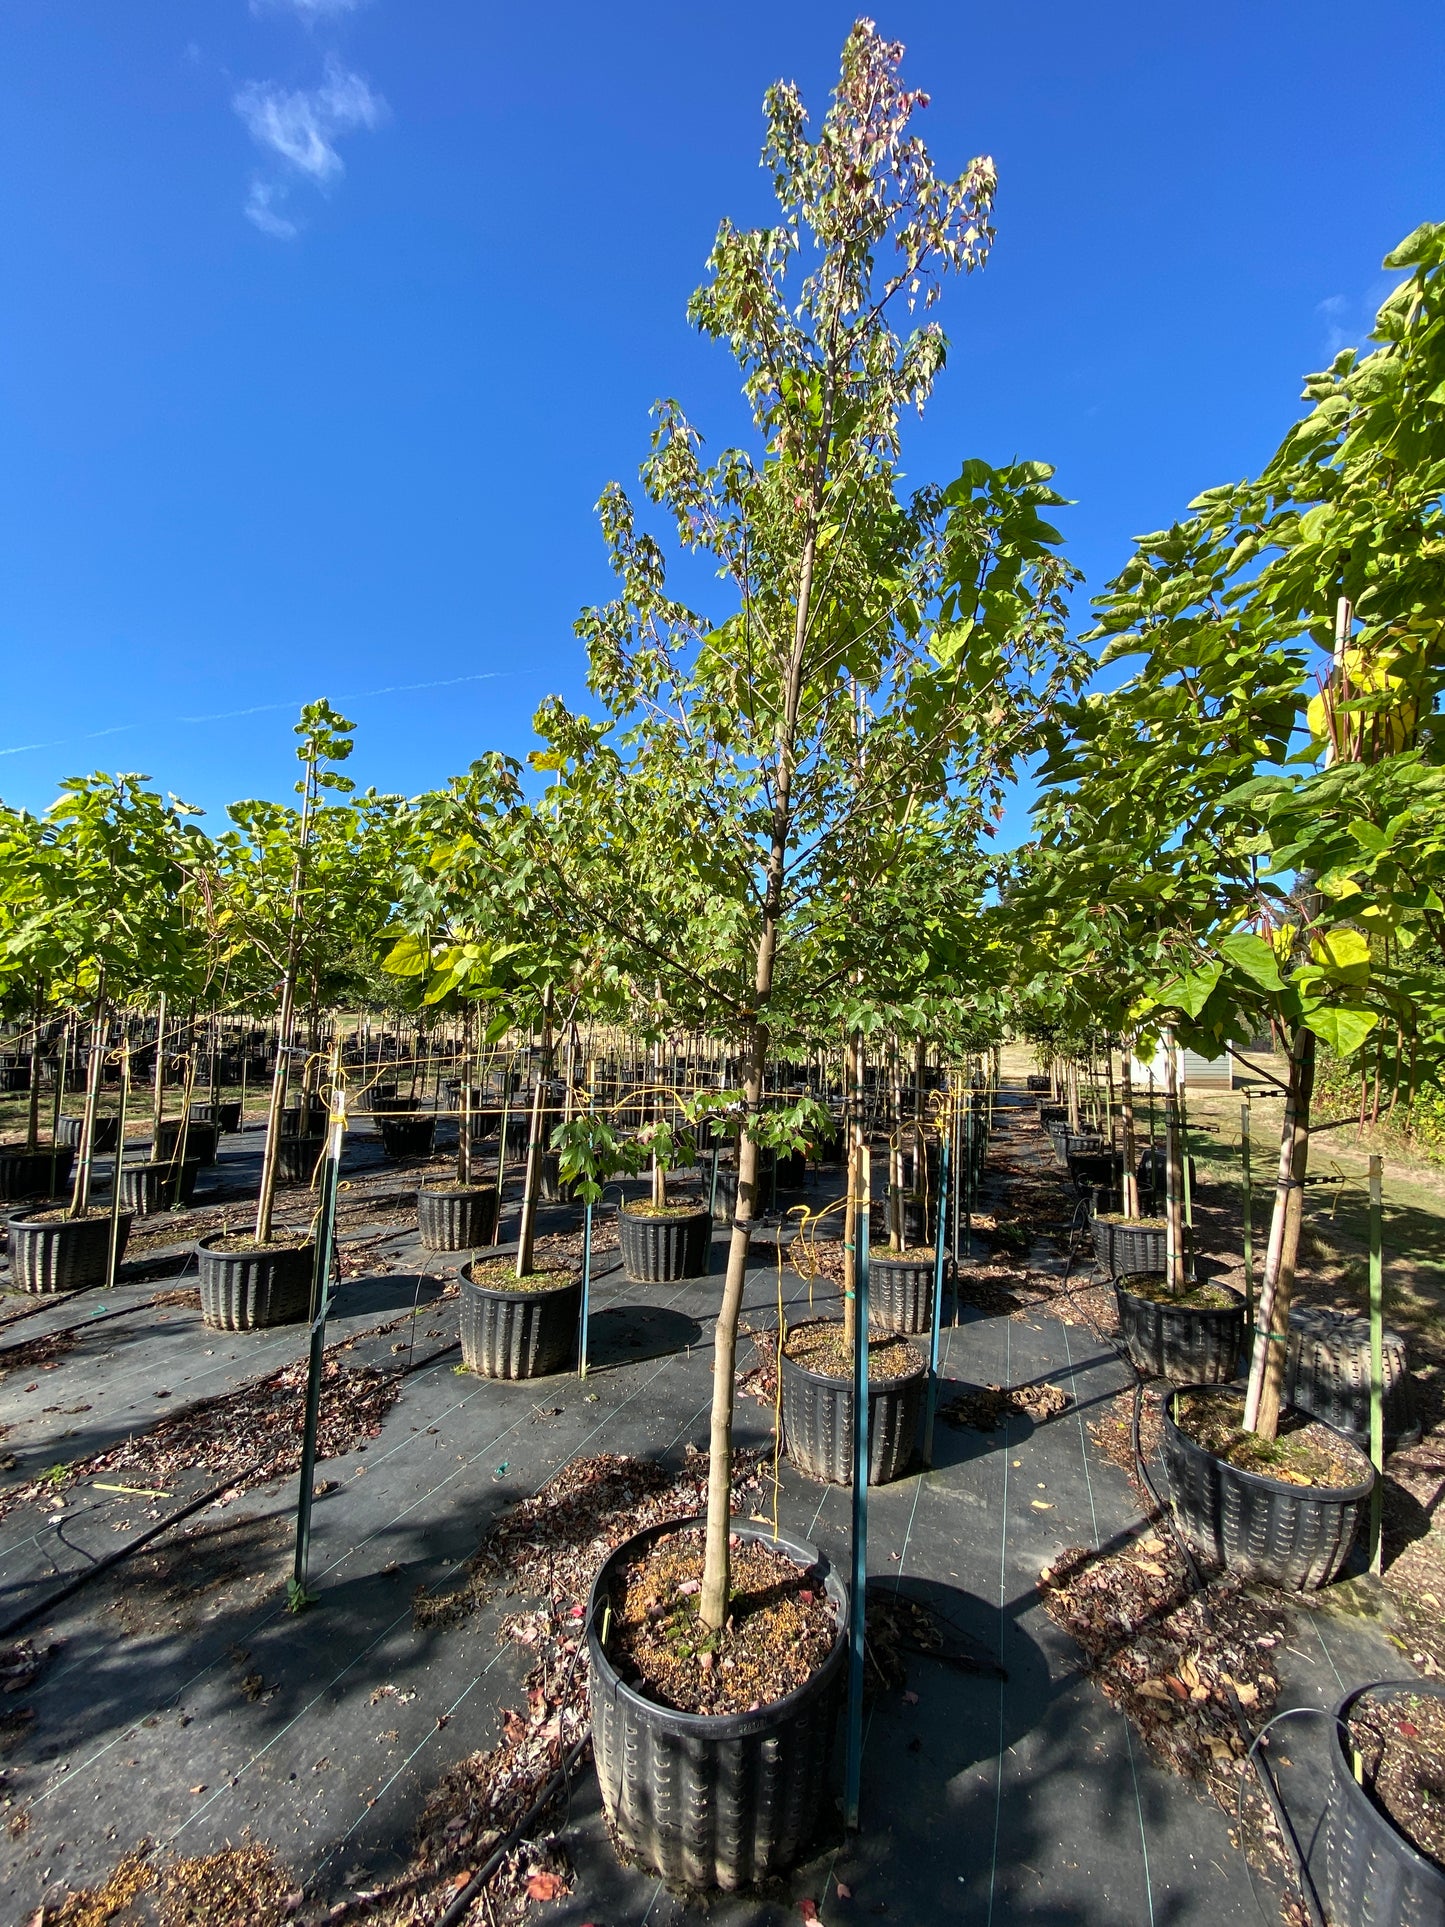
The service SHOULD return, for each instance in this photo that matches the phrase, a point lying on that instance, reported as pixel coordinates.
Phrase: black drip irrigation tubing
(80, 1325)
(1303, 1878)
(457, 1909)
(235, 1482)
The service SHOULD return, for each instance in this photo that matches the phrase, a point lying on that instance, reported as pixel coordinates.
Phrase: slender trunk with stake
(713, 1603)
(532, 1182)
(857, 1144)
(1126, 1111)
(1271, 1325)
(158, 1100)
(266, 1200)
(80, 1194)
(1173, 1187)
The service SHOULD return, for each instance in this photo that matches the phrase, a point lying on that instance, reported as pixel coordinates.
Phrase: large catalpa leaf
(1342, 1028)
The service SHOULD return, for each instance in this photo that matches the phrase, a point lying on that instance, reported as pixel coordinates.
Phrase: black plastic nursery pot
(1286, 1535)
(1372, 1872)
(226, 1116)
(1190, 1344)
(201, 1138)
(408, 1135)
(713, 1800)
(145, 1188)
(818, 1423)
(1137, 1245)
(70, 1130)
(300, 1156)
(661, 1250)
(764, 1190)
(518, 1334)
(28, 1174)
(456, 1217)
(254, 1287)
(63, 1254)
(1096, 1170)
(1327, 1374)
(900, 1291)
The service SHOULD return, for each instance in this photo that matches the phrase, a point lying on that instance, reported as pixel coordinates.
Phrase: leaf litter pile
(240, 1887)
(986, 1407)
(546, 1549)
(255, 1430)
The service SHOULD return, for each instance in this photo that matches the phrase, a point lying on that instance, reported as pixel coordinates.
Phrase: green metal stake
(857, 1617)
(1248, 1205)
(937, 1316)
(1377, 1357)
(320, 1307)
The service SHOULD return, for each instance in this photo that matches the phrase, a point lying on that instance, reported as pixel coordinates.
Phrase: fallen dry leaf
(546, 1886)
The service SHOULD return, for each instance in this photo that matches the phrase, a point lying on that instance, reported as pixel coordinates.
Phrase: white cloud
(262, 205)
(1349, 319)
(300, 127)
(309, 10)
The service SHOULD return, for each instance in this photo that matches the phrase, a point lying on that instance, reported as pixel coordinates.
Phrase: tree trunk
(1126, 1111)
(266, 1200)
(80, 1193)
(32, 1115)
(857, 1138)
(158, 1099)
(532, 1183)
(1173, 1174)
(1266, 1372)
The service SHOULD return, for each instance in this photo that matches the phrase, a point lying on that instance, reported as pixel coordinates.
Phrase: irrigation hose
(112, 1559)
(457, 1910)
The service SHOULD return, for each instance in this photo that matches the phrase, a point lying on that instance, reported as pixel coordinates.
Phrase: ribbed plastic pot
(70, 1130)
(764, 1189)
(201, 1137)
(518, 1334)
(713, 1800)
(456, 1217)
(1189, 1344)
(1072, 1144)
(1096, 1170)
(1373, 1876)
(300, 1156)
(408, 1136)
(67, 1254)
(1137, 1246)
(900, 1292)
(1327, 1374)
(26, 1174)
(659, 1251)
(145, 1188)
(228, 1116)
(1287, 1535)
(394, 1106)
(246, 1290)
(818, 1423)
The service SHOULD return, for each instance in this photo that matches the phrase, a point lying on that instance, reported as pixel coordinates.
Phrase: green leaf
(1253, 956)
(1342, 1029)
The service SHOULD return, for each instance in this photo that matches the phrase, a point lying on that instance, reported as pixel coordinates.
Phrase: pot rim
(1324, 1494)
(518, 1294)
(23, 1221)
(1121, 1284)
(207, 1245)
(679, 1214)
(874, 1384)
(456, 1190)
(717, 1727)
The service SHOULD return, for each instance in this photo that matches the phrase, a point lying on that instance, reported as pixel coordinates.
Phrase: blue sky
(324, 324)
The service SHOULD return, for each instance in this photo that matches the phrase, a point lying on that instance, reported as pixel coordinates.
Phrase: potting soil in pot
(779, 1631)
(675, 1208)
(1400, 1740)
(500, 1274)
(1192, 1298)
(245, 1241)
(821, 1347)
(1305, 1453)
(57, 1213)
